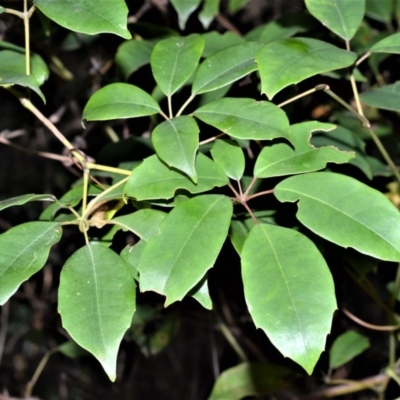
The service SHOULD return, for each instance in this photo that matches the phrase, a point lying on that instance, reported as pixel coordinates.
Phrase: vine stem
(363, 58)
(385, 328)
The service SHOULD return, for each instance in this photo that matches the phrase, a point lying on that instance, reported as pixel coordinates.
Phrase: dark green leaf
(208, 12)
(216, 41)
(236, 5)
(86, 16)
(24, 251)
(346, 212)
(289, 61)
(390, 44)
(25, 198)
(184, 8)
(386, 97)
(190, 239)
(201, 293)
(229, 156)
(96, 300)
(289, 294)
(119, 100)
(72, 350)
(246, 118)
(381, 10)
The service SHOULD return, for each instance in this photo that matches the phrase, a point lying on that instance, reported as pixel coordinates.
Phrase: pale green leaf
(87, 16)
(284, 62)
(184, 9)
(347, 346)
(346, 212)
(25, 198)
(390, 44)
(174, 60)
(380, 10)
(225, 67)
(96, 300)
(154, 180)
(1, 9)
(201, 293)
(190, 239)
(176, 142)
(208, 12)
(290, 294)
(246, 118)
(386, 97)
(229, 156)
(24, 251)
(119, 100)
(342, 17)
(281, 159)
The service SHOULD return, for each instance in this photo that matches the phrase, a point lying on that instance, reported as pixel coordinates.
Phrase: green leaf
(25, 198)
(201, 293)
(229, 156)
(176, 142)
(381, 10)
(174, 60)
(246, 118)
(386, 97)
(249, 379)
(281, 159)
(184, 9)
(12, 71)
(96, 300)
(132, 55)
(346, 212)
(342, 17)
(1, 9)
(236, 5)
(154, 180)
(132, 255)
(225, 66)
(72, 350)
(190, 239)
(86, 16)
(208, 12)
(289, 61)
(390, 44)
(24, 251)
(119, 100)
(289, 294)
(347, 346)
(216, 41)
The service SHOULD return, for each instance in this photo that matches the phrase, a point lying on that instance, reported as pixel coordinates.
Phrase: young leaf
(174, 60)
(229, 156)
(347, 346)
(201, 293)
(176, 142)
(184, 9)
(281, 159)
(346, 212)
(390, 44)
(25, 198)
(24, 251)
(288, 61)
(208, 12)
(342, 17)
(190, 239)
(246, 118)
(119, 100)
(250, 379)
(96, 300)
(225, 66)
(386, 97)
(86, 16)
(289, 294)
(154, 180)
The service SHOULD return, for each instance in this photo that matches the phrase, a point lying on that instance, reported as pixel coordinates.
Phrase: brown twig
(383, 328)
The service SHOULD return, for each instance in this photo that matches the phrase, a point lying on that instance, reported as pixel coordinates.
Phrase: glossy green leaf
(215, 41)
(390, 44)
(190, 239)
(289, 294)
(284, 62)
(225, 66)
(386, 97)
(347, 346)
(154, 180)
(184, 9)
(229, 156)
(346, 212)
(381, 10)
(25, 198)
(281, 159)
(119, 100)
(208, 12)
(201, 293)
(24, 251)
(132, 55)
(176, 142)
(249, 379)
(86, 16)
(246, 118)
(174, 60)
(342, 17)
(96, 300)
(12, 71)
